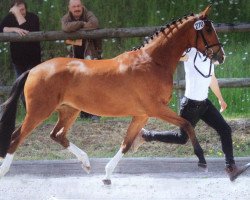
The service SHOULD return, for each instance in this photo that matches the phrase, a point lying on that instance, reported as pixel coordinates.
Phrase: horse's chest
(165, 92)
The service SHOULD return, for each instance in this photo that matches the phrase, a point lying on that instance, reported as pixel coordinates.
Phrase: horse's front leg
(135, 126)
(170, 116)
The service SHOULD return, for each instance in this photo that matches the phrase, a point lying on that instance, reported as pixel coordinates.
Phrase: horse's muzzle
(219, 57)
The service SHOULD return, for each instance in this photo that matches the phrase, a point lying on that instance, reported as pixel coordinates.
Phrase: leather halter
(208, 50)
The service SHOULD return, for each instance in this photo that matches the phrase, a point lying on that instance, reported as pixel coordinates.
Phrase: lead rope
(210, 68)
(205, 43)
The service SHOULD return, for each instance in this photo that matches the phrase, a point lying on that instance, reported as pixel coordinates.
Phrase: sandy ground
(133, 187)
(133, 179)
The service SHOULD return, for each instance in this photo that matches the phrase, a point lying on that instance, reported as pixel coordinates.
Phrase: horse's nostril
(222, 60)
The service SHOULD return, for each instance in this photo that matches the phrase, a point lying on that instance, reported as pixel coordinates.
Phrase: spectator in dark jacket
(24, 55)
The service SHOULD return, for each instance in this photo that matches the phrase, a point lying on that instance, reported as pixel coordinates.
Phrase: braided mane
(161, 30)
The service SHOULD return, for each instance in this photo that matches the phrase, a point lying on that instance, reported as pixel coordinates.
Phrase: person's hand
(15, 10)
(20, 31)
(223, 105)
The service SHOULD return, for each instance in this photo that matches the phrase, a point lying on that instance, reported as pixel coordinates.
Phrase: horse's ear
(206, 12)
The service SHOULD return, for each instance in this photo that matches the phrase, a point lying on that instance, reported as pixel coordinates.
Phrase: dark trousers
(193, 111)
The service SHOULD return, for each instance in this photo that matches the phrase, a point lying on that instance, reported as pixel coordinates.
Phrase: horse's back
(83, 84)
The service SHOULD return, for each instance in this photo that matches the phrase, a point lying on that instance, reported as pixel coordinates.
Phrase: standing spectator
(77, 18)
(24, 55)
(196, 106)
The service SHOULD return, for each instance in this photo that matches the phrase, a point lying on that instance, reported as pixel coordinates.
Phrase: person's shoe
(139, 140)
(233, 171)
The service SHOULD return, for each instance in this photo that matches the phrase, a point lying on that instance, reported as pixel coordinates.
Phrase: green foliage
(139, 13)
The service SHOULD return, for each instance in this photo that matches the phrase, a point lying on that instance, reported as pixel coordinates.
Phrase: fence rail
(107, 33)
(223, 82)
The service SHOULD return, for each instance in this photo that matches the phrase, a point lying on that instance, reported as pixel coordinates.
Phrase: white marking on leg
(6, 164)
(81, 156)
(113, 163)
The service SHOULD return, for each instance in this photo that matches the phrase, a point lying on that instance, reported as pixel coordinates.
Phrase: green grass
(103, 140)
(133, 13)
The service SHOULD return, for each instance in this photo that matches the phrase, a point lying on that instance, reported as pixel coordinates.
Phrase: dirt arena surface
(132, 187)
(134, 178)
(169, 179)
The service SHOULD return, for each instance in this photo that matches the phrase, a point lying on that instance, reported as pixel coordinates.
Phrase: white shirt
(197, 86)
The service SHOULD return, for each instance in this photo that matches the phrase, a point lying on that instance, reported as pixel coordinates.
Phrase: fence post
(1, 101)
(1, 97)
(180, 75)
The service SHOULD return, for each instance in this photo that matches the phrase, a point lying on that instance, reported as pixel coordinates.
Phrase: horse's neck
(167, 49)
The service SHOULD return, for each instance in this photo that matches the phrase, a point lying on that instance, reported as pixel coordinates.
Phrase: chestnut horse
(137, 83)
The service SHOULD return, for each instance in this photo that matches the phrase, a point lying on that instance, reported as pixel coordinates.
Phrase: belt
(195, 102)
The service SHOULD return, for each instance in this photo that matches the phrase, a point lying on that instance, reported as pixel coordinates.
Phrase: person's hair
(18, 2)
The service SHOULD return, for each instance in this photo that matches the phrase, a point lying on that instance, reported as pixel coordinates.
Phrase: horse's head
(207, 40)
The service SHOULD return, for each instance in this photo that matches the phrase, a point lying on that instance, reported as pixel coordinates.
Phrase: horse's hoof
(87, 169)
(106, 181)
(3, 172)
(203, 166)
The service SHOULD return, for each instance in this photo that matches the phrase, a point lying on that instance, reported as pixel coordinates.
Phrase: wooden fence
(107, 33)
(179, 84)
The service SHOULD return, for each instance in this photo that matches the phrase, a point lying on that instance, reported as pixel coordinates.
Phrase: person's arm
(16, 12)
(92, 21)
(216, 90)
(7, 26)
(71, 26)
(20, 31)
(32, 24)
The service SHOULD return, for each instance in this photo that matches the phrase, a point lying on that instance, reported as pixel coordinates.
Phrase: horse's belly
(104, 104)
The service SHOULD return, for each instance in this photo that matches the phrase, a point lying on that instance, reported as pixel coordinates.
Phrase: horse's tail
(8, 113)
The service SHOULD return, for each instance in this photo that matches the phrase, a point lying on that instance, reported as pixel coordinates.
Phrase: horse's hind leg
(9, 157)
(67, 116)
(18, 136)
(135, 126)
